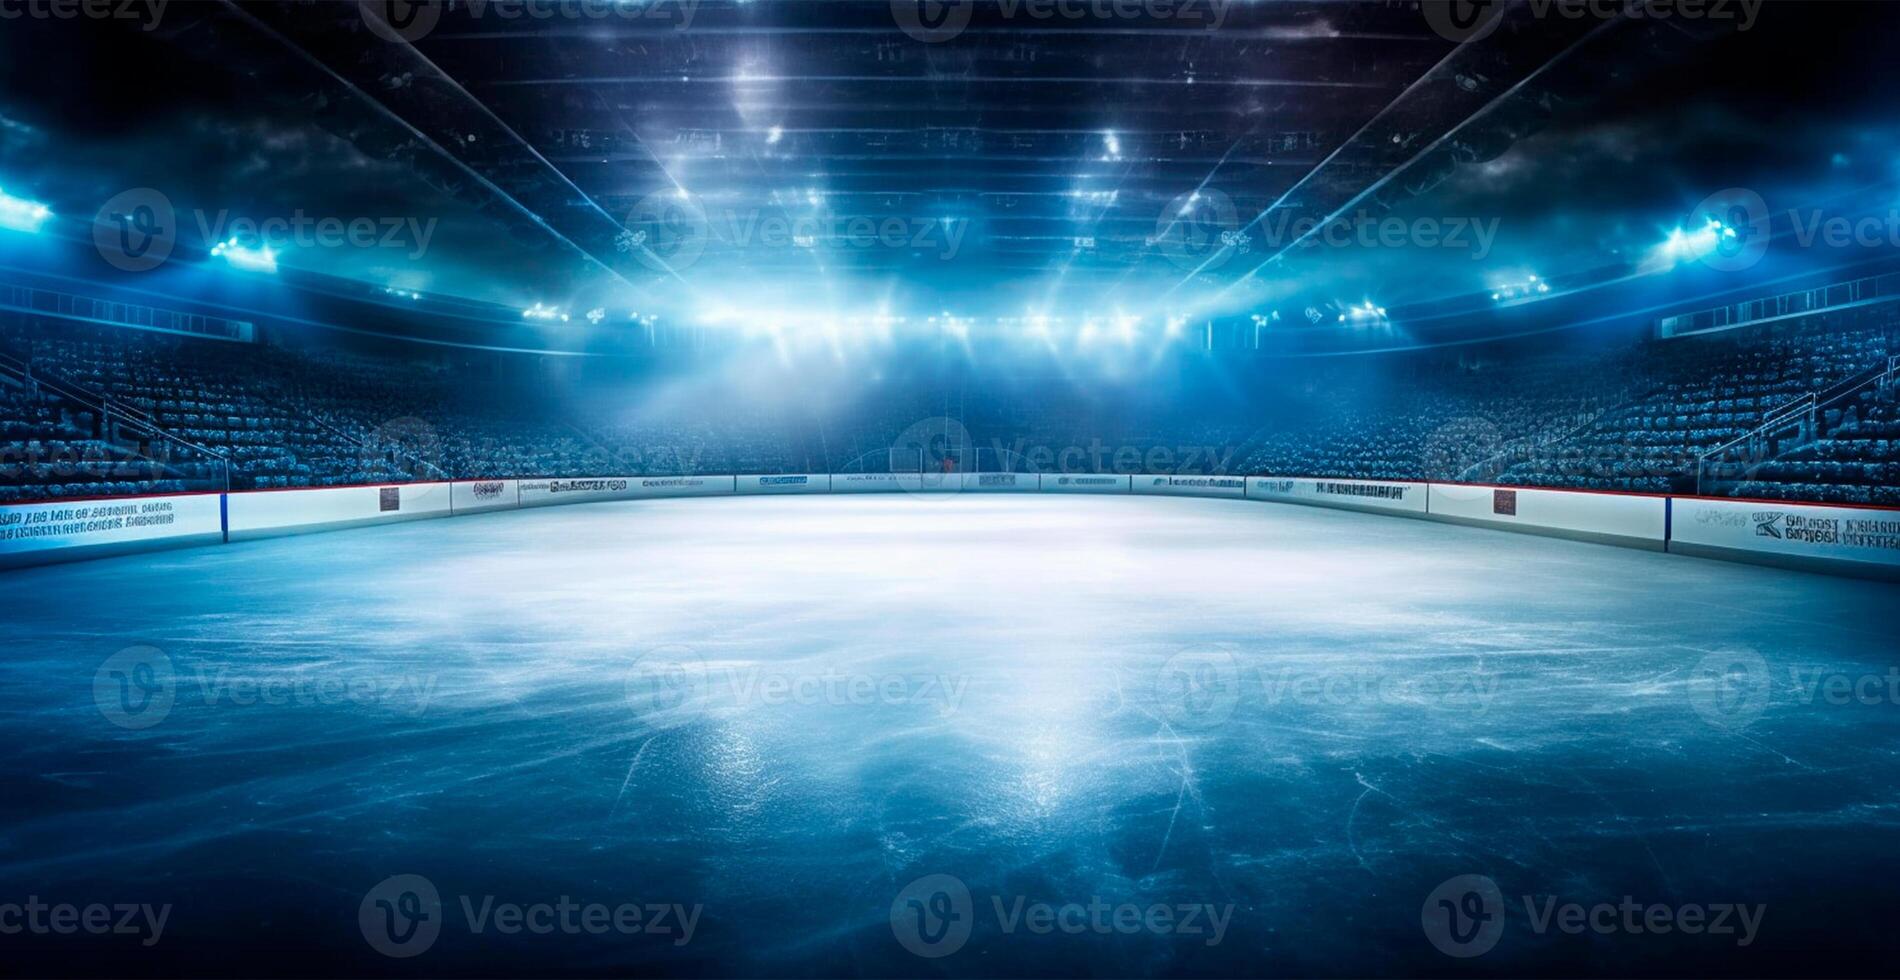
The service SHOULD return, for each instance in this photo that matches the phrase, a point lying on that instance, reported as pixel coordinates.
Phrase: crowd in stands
(93, 410)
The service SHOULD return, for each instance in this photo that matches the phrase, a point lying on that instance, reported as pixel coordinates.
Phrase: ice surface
(787, 710)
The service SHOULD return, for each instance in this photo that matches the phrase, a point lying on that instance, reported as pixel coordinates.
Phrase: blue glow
(20, 214)
(260, 259)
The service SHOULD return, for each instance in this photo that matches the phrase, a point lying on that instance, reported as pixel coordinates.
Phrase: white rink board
(1614, 518)
(1191, 486)
(1385, 496)
(266, 513)
(864, 483)
(62, 531)
(1083, 483)
(896, 482)
(682, 486)
(1000, 483)
(542, 493)
(784, 483)
(479, 496)
(1843, 538)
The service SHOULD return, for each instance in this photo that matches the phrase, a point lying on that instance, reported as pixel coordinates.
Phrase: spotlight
(259, 259)
(1530, 286)
(20, 214)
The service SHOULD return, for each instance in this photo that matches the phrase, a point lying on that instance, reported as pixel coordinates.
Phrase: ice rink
(760, 721)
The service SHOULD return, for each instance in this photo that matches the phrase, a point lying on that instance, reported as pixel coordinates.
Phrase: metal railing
(1740, 458)
(119, 423)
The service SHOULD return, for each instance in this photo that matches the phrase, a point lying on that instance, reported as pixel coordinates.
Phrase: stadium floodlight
(1366, 312)
(260, 259)
(541, 312)
(773, 135)
(1530, 286)
(21, 214)
(1682, 244)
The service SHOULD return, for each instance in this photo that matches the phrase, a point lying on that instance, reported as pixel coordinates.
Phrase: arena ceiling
(682, 154)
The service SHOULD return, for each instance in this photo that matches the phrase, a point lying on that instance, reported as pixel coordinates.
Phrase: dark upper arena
(281, 245)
